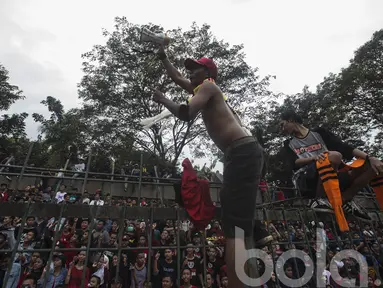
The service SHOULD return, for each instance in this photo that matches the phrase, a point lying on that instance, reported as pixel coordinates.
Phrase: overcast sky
(300, 42)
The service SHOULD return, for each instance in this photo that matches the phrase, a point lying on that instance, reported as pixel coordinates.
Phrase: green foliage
(349, 104)
(117, 86)
(12, 127)
(9, 93)
(116, 91)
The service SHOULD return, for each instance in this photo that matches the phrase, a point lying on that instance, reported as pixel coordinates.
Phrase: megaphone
(149, 36)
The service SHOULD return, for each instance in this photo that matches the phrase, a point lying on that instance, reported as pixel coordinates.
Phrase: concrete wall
(115, 189)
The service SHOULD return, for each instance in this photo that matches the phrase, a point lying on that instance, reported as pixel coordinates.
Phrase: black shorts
(242, 171)
(308, 182)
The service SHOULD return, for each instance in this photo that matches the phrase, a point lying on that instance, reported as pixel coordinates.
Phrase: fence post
(24, 165)
(60, 180)
(140, 180)
(18, 238)
(86, 173)
(112, 178)
(10, 159)
(159, 191)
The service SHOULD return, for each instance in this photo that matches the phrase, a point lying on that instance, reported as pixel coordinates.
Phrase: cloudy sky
(298, 41)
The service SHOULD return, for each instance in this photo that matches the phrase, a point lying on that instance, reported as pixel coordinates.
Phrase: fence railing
(285, 211)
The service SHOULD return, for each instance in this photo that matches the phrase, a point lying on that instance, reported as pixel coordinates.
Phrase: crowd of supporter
(198, 263)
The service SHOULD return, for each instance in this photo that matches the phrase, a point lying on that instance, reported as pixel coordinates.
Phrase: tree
(61, 133)
(12, 127)
(70, 135)
(118, 82)
(348, 103)
(9, 93)
(361, 87)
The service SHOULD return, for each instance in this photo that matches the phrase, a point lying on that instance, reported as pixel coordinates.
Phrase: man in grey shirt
(307, 146)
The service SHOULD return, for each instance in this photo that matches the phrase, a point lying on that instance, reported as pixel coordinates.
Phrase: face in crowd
(94, 282)
(186, 275)
(167, 282)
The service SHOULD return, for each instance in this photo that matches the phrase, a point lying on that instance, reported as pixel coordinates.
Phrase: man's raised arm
(188, 112)
(173, 73)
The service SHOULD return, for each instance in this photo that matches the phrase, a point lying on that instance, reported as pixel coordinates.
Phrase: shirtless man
(243, 155)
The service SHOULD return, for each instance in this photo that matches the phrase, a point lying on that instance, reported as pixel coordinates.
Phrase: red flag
(195, 194)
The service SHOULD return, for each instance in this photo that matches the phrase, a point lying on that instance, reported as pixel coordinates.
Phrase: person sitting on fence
(319, 155)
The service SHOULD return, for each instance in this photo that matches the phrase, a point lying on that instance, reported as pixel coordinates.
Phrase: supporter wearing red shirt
(70, 255)
(4, 193)
(263, 186)
(66, 236)
(74, 276)
(142, 242)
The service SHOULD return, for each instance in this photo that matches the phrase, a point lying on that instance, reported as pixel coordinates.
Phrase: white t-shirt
(97, 203)
(326, 274)
(79, 167)
(60, 196)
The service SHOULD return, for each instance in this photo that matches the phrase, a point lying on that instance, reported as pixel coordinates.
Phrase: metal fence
(285, 213)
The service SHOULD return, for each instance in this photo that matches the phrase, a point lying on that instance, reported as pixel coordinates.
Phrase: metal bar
(167, 183)
(120, 234)
(290, 244)
(25, 165)
(150, 237)
(6, 163)
(91, 173)
(97, 179)
(338, 243)
(305, 210)
(17, 244)
(131, 176)
(305, 234)
(112, 177)
(60, 180)
(88, 249)
(145, 248)
(178, 248)
(105, 249)
(85, 211)
(377, 206)
(140, 179)
(86, 173)
(157, 188)
(376, 267)
(58, 232)
(204, 258)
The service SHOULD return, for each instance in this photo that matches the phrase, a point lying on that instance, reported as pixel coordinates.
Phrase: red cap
(191, 64)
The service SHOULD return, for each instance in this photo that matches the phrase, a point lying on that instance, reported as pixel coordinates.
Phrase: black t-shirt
(214, 268)
(198, 252)
(169, 269)
(196, 269)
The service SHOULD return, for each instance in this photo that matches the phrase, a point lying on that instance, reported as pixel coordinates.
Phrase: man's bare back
(220, 122)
